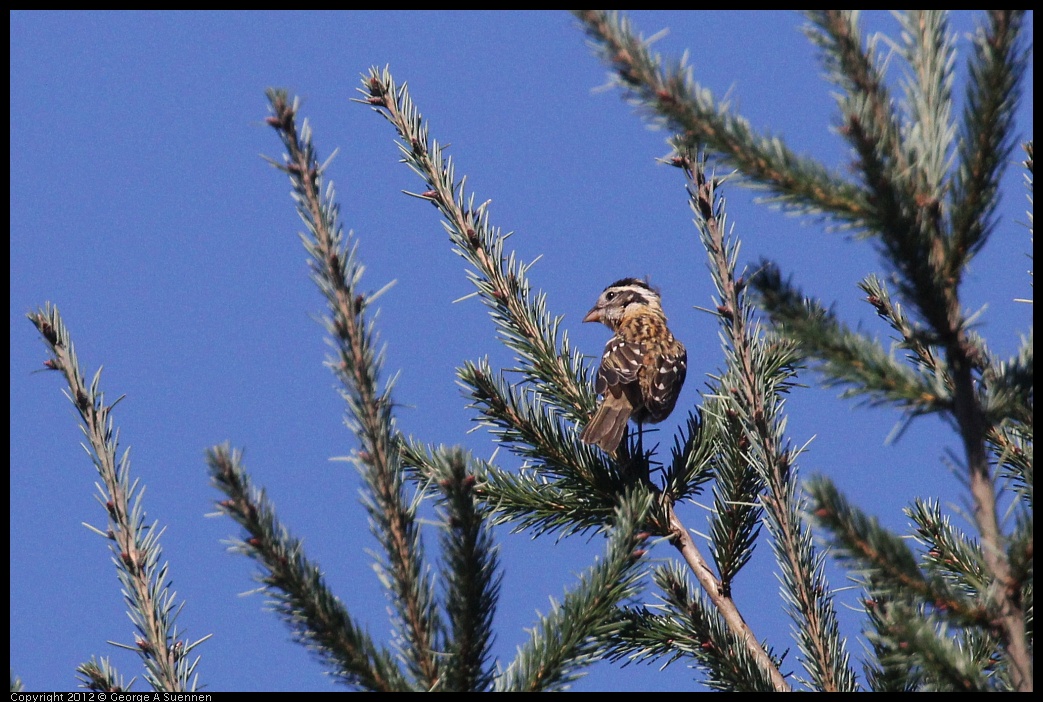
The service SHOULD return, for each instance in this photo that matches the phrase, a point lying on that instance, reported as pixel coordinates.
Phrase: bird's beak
(593, 316)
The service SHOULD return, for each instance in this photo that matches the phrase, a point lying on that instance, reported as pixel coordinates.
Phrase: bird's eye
(610, 295)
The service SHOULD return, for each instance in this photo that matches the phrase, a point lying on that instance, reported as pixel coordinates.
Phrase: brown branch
(726, 606)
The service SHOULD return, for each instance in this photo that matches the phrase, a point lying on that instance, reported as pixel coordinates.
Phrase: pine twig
(134, 543)
(337, 273)
(296, 587)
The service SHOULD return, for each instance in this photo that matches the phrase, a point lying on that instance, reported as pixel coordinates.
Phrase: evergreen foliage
(945, 608)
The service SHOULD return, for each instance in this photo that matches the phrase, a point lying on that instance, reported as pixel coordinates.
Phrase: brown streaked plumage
(643, 367)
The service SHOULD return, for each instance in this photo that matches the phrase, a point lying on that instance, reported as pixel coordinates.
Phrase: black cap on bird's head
(623, 282)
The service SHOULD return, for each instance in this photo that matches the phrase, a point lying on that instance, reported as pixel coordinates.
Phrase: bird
(643, 366)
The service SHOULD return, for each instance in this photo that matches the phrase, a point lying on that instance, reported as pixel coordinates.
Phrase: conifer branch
(930, 253)
(538, 435)
(1008, 387)
(557, 373)
(927, 47)
(528, 417)
(865, 100)
(686, 624)
(913, 606)
(850, 358)
(1011, 444)
(888, 565)
(470, 572)
(295, 586)
(100, 676)
(888, 669)
(986, 138)
(950, 554)
(671, 98)
(1004, 63)
(579, 629)
(735, 520)
(749, 401)
(901, 202)
(905, 217)
(528, 499)
(913, 337)
(720, 596)
(134, 543)
(559, 647)
(337, 273)
(908, 639)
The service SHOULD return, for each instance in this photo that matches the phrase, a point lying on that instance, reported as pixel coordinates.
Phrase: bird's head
(623, 296)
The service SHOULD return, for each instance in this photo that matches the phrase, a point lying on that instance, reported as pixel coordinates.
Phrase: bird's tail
(606, 428)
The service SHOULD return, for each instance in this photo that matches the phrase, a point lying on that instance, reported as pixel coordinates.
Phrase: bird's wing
(669, 376)
(619, 365)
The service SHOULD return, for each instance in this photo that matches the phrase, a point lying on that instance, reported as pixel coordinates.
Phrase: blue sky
(140, 206)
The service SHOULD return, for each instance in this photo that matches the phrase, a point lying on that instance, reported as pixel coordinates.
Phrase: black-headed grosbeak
(643, 367)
